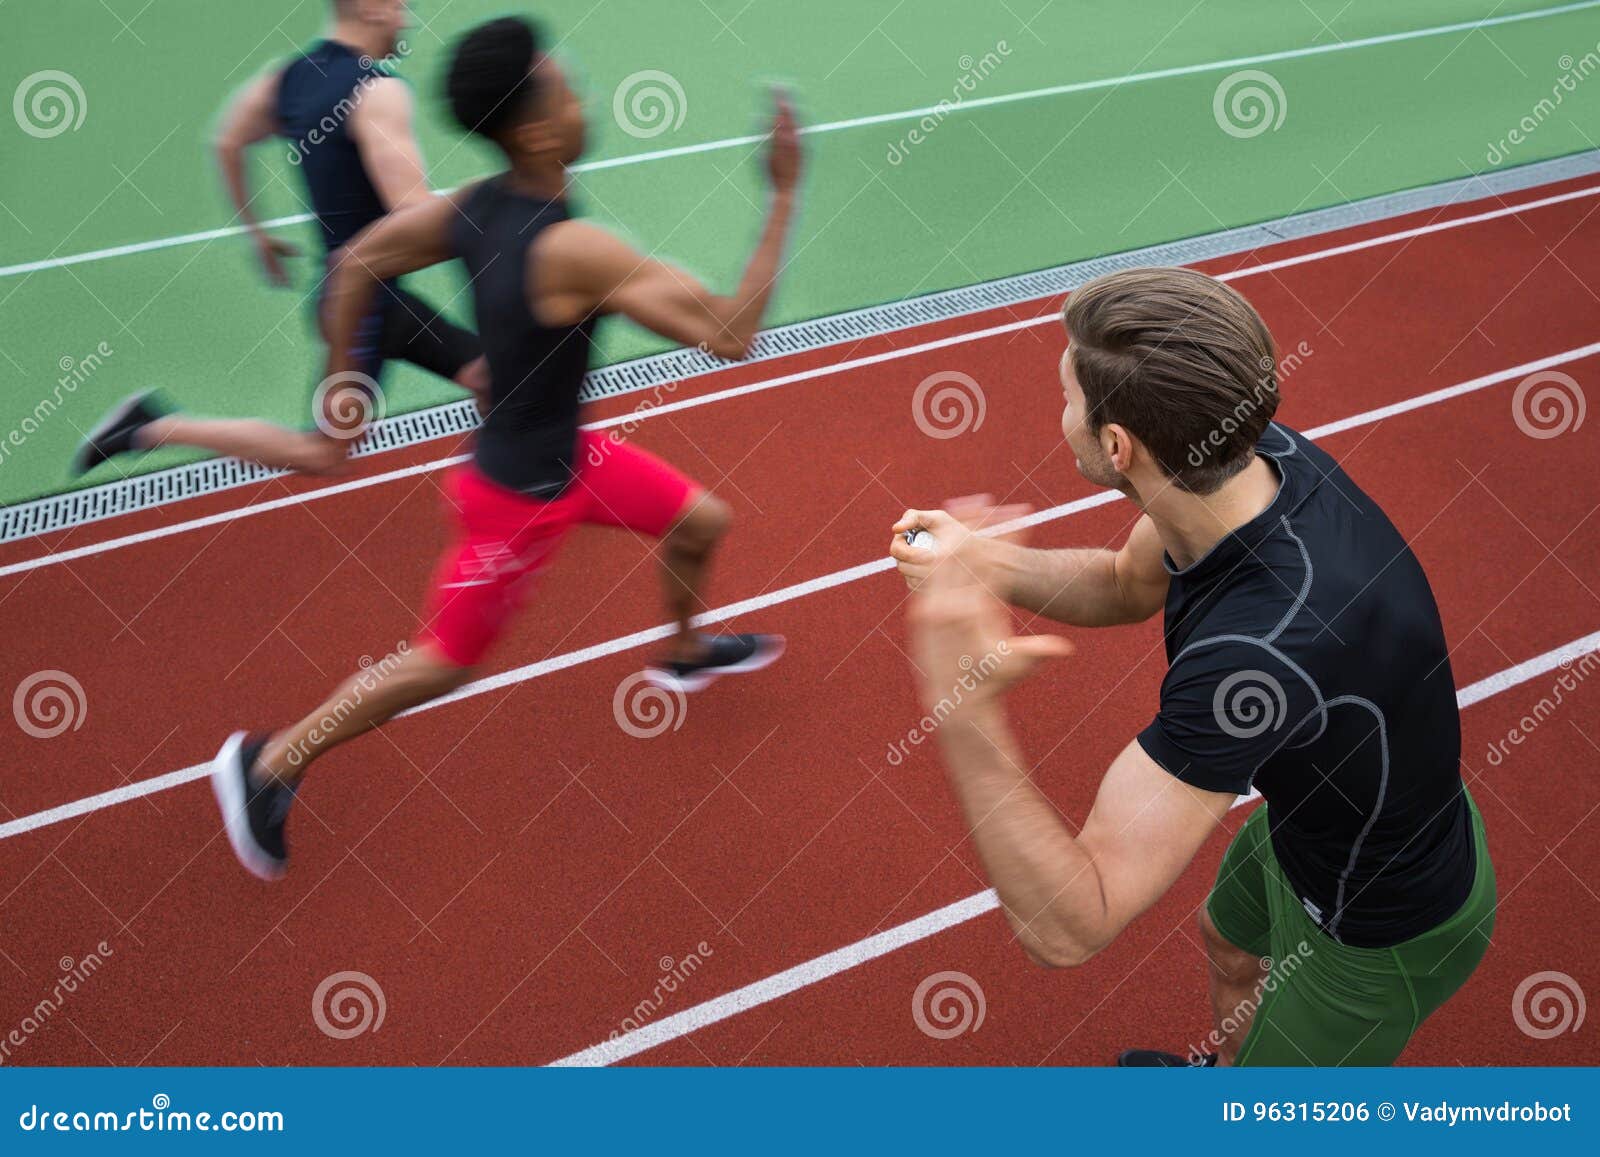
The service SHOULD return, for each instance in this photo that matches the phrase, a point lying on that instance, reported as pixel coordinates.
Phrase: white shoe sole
(685, 684)
(227, 784)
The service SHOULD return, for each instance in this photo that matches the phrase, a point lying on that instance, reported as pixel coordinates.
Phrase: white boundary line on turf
(636, 416)
(865, 121)
(172, 779)
(820, 968)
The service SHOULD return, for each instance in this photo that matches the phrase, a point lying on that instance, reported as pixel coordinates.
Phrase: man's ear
(1118, 445)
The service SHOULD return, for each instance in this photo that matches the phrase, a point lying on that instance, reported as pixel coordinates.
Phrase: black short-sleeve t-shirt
(1306, 659)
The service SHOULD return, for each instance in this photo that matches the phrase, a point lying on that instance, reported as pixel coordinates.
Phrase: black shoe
(1151, 1059)
(724, 655)
(114, 434)
(253, 812)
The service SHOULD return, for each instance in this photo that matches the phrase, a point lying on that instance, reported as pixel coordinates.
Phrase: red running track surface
(516, 872)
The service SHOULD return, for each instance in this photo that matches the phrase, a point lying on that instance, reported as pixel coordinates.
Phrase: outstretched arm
(583, 269)
(1085, 588)
(252, 117)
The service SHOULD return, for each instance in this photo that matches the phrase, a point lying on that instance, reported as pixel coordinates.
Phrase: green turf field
(988, 191)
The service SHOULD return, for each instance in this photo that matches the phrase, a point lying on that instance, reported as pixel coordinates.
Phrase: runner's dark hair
(490, 83)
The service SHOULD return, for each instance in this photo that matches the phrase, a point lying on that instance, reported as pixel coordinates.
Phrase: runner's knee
(707, 519)
(430, 673)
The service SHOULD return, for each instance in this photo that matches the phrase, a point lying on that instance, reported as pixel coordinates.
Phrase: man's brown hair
(1181, 360)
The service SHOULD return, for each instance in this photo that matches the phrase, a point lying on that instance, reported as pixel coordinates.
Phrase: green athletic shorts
(1326, 1003)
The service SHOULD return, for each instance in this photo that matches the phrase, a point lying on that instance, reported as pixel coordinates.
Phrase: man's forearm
(1049, 887)
(749, 303)
(1070, 586)
(352, 286)
(231, 160)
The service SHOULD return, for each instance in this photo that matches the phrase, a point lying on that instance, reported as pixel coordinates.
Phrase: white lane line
(636, 416)
(820, 968)
(865, 121)
(523, 674)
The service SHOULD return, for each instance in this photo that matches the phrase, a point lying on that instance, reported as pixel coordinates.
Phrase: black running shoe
(114, 434)
(1151, 1059)
(724, 655)
(254, 813)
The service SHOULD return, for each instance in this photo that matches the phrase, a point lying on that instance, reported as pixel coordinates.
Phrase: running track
(516, 872)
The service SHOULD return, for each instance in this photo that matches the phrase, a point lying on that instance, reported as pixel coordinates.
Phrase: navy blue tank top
(317, 95)
(528, 443)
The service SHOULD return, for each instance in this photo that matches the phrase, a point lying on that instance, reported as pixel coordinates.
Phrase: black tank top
(317, 95)
(529, 440)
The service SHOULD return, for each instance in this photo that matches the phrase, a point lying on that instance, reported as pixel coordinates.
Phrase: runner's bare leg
(365, 700)
(685, 560)
(1236, 980)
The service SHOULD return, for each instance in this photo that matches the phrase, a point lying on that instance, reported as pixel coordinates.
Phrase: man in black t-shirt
(1306, 661)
